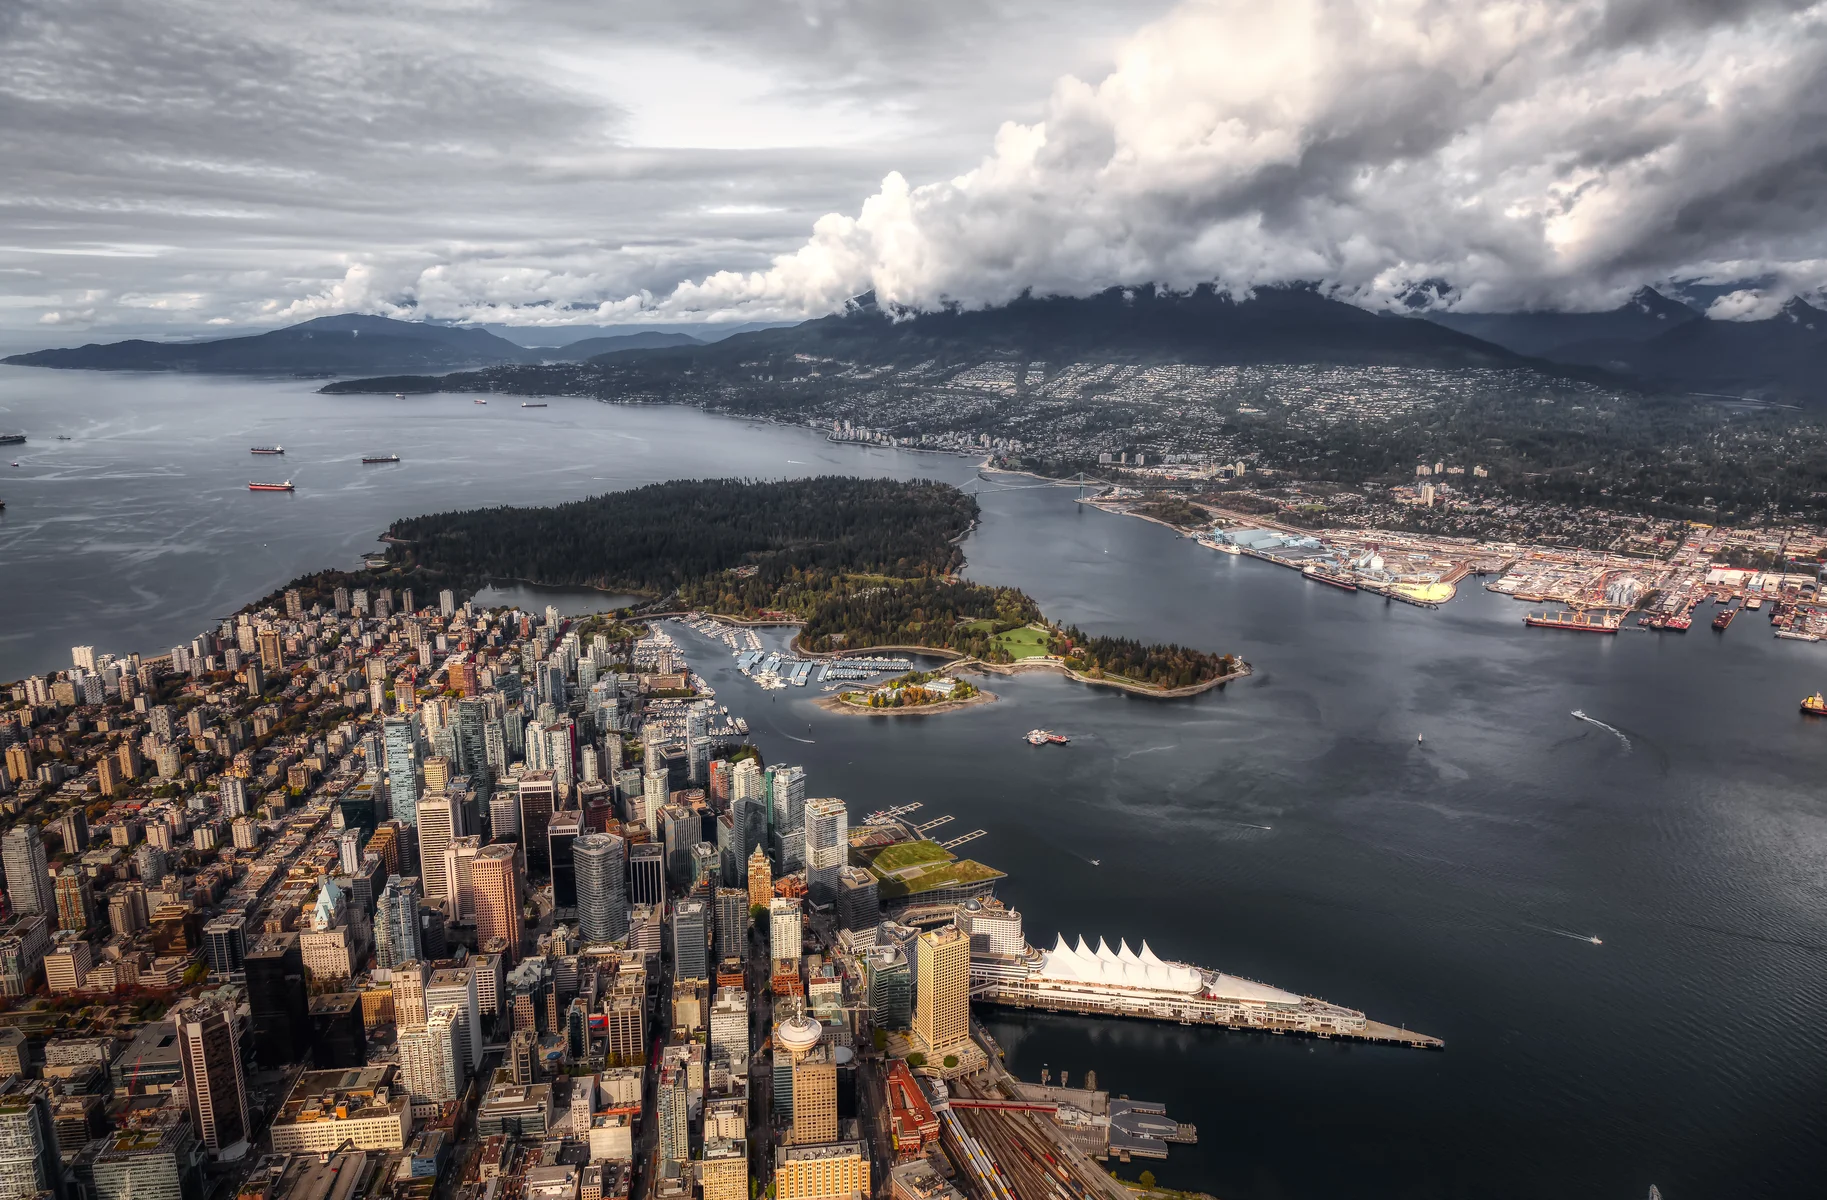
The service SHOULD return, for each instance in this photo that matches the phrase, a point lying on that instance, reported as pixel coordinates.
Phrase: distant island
(857, 563)
(350, 343)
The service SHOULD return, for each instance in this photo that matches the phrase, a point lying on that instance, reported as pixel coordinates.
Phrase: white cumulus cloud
(1526, 152)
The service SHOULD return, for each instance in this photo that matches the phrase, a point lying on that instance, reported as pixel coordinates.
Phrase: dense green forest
(659, 538)
(948, 614)
(1168, 666)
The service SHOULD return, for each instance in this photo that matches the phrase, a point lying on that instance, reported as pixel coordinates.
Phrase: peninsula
(856, 563)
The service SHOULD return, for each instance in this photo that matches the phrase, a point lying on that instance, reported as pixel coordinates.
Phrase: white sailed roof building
(1147, 972)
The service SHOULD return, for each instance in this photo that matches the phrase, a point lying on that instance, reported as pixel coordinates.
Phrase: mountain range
(1652, 341)
(1664, 345)
(347, 344)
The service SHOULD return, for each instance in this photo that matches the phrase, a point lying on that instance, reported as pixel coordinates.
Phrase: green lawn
(936, 876)
(910, 854)
(1026, 642)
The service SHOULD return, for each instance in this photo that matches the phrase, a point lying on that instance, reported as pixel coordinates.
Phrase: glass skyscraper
(785, 789)
(602, 891)
(401, 736)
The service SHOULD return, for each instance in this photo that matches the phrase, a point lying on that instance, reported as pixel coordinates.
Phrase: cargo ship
(1815, 705)
(271, 487)
(1577, 621)
(1042, 737)
(266, 450)
(1724, 618)
(12, 439)
(1337, 581)
(381, 458)
(524, 404)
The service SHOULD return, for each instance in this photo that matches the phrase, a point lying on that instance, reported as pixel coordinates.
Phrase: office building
(627, 1027)
(729, 1029)
(834, 1171)
(336, 1026)
(157, 1157)
(647, 874)
(73, 826)
(785, 790)
(349, 850)
(732, 924)
(28, 877)
(409, 979)
(539, 799)
(673, 1104)
(691, 939)
(456, 987)
(724, 1170)
(460, 879)
(365, 1107)
(29, 1162)
(396, 922)
(504, 814)
(602, 895)
(214, 1078)
(942, 989)
(827, 846)
(786, 937)
(440, 821)
(859, 905)
(760, 879)
(680, 830)
(653, 798)
(225, 946)
(15, 1058)
(561, 830)
(815, 1098)
(497, 898)
(75, 899)
(432, 1065)
(276, 998)
(400, 736)
(67, 965)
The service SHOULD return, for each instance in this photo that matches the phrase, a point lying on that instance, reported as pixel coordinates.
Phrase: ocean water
(1289, 828)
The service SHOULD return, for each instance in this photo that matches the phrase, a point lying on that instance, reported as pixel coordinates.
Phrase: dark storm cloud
(172, 164)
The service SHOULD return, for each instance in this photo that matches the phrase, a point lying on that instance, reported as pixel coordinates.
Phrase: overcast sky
(174, 165)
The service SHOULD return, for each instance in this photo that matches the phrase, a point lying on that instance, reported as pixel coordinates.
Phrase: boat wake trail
(1580, 716)
(1591, 939)
(1149, 750)
(807, 741)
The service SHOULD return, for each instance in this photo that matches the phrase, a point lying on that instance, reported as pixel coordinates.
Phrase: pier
(1374, 1032)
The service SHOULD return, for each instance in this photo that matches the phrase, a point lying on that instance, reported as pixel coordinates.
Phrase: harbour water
(1289, 828)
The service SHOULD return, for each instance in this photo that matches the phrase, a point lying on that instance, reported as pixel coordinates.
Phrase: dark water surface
(140, 532)
(1443, 885)
(1291, 829)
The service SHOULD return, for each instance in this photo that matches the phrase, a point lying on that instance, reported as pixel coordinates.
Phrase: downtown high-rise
(602, 890)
